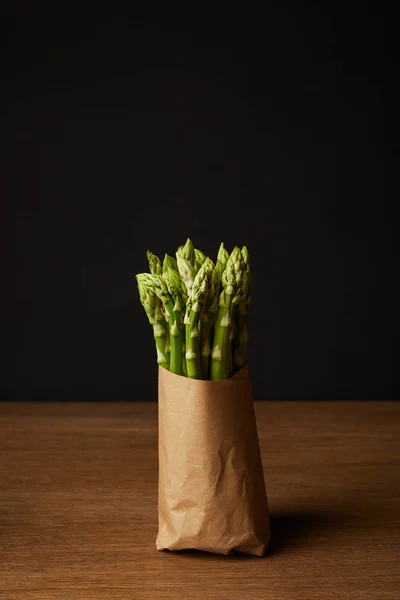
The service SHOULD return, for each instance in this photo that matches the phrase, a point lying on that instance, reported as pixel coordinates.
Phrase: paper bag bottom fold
(211, 493)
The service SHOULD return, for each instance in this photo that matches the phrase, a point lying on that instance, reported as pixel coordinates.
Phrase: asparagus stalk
(184, 363)
(194, 307)
(177, 291)
(169, 262)
(229, 362)
(154, 263)
(185, 261)
(152, 306)
(200, 258)
(208, 318)
(241, 334)
(229, 297)
(167, 346)
(185, 257)
(188, 252)
(155, 266)
(222, 259)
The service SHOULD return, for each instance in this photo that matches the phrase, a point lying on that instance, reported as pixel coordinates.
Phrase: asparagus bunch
(198, 310)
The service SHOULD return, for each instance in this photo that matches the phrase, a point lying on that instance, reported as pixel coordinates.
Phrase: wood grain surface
(78, 506)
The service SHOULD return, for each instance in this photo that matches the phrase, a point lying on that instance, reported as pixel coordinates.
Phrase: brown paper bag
(211, 484)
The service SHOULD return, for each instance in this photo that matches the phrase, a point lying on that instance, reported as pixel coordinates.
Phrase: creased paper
(211, 485)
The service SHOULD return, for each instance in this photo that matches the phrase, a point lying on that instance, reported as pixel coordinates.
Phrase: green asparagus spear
(241, 333)
(177, 291)
(176, 286)
(208, 318)
(222, 259)
(229, 297)
(152, 306)
(229, 362)
(169, 262)
(183, 262)
(154, 263)
(200, 258)
(194, 307)
(185, 257)
(188, 252)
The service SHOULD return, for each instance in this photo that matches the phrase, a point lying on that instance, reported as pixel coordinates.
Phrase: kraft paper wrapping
(211, 492)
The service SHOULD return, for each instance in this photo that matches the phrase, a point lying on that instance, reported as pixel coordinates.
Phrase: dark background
(122, 132)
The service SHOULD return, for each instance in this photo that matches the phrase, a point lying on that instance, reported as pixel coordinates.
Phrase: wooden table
(78, 506)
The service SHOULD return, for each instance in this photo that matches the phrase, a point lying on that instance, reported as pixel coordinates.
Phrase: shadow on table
(288, 530)
(291, 529)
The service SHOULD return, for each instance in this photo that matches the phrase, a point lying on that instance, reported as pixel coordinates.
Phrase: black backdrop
(123, 132)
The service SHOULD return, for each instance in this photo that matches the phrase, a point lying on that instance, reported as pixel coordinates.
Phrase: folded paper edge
(240, 375)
